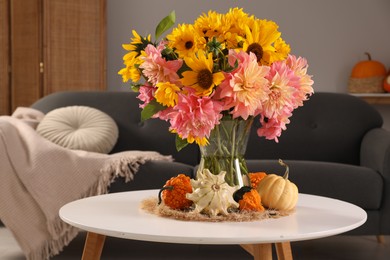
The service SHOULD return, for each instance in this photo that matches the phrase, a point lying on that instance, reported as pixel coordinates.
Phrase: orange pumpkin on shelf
(386, 82)
(368, 68)
(367, 76)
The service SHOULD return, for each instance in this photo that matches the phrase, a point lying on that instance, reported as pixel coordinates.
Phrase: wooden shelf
(374, 98)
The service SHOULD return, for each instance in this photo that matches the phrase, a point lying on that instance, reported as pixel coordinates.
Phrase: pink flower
(281, 97)
(305, 89)
(271, 129)
(146, 94)
(157, 69)
(246, 88)
(289, 87)
(193, 117)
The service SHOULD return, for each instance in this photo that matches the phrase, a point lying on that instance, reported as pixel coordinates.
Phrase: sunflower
(166, 93)
(237, 19)
(282, 49)
(132, 59)
(138, 43)
(184, 40)
(201, 76)
(211, 25)
(260, 40)
(131, 72)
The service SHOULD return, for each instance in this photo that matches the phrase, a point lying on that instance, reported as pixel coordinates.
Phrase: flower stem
(226, 149)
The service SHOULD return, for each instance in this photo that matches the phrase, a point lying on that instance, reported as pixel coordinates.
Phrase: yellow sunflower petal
(218, 78)
(189, 78)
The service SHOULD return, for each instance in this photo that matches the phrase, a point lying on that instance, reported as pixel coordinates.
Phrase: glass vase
(226, 150)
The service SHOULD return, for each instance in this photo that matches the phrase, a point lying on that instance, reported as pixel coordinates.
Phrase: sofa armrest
(375, 151)
(375, 154)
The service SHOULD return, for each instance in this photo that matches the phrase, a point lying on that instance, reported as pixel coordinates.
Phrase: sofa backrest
(123, 107)
(329, 127)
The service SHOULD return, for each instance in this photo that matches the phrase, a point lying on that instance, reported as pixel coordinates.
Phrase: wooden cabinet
(49, 46)
(4, 57)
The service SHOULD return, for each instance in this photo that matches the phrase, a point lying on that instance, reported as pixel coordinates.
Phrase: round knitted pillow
(80, 128)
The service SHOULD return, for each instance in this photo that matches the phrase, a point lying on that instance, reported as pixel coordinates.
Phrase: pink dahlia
(283, 86)
(246, 88)
(272, 128)
(193, 118)
(289, 87)
(157, 69)
(146, 94)
(304, 88)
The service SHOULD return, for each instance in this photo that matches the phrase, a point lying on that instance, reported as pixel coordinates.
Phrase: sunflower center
(188, 45)
(256, 49)
(205, 79)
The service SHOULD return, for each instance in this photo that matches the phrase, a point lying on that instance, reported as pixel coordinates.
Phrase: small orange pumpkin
(368, 68)
(255, 178)
(248, 199)
(386, 82)
(174, 192)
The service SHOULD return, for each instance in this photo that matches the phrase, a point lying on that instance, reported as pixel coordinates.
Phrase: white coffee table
(119, 215)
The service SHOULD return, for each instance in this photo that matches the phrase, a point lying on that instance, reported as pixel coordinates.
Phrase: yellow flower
(185, 40)
(138, 43)
(132, 58)
(282, 49)
(201, 76)
(130, 73)
(237, 19)
(211, 25)
(166, 94)
(260, 39)
(199, 141)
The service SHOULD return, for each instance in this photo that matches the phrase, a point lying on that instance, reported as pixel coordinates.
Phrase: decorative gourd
(255, 178)
(278, 192)
(212, 194)
(248, 199)
(368, 68)
(174, 192)
(386, 82)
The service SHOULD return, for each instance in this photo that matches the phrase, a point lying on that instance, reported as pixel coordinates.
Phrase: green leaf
(135, 87)
(180, 143)
(150, 109)
(165, 24)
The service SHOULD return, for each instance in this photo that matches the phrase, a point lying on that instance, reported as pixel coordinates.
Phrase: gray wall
(333, 35)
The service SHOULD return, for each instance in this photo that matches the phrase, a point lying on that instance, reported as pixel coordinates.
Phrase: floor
(341, 247)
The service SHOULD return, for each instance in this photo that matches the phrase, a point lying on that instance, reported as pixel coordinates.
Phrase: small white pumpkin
(212, 194)
(278, 192)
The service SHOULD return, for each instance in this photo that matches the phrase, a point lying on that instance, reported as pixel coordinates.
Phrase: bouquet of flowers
(223, 65)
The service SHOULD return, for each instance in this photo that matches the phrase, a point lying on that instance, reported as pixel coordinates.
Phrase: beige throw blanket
(38, 177)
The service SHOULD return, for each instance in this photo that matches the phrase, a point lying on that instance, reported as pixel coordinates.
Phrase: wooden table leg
(259, 251)
(283, 250)
(264, 251)
(93, 246)
(380, 239)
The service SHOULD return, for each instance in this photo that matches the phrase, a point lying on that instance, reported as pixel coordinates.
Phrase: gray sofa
(334, 145)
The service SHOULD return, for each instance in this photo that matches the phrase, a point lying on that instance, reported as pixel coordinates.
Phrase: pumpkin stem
(285, 176)
(160, 192)
(368, 55)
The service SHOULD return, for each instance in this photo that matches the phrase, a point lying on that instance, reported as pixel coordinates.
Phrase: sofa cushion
(123, 107)
(329, 127)
(81, 128)
(358, 185)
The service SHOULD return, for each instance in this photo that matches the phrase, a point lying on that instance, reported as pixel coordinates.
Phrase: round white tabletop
(119, 215)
